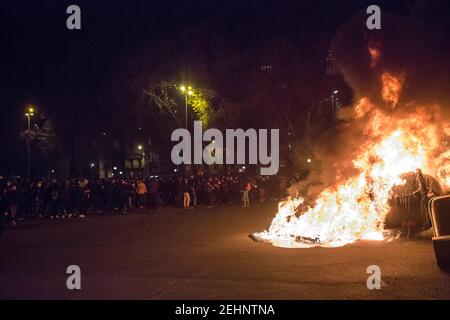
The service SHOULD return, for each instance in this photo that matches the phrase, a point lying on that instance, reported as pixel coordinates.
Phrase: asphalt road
(203, 254)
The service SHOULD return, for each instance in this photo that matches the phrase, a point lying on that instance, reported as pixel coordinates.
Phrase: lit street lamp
(29, 113)
(186, 92)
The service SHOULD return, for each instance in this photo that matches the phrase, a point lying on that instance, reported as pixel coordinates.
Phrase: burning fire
(355, 207)
(443, 171)
(363, 107)
(391, 88)
(374, 56)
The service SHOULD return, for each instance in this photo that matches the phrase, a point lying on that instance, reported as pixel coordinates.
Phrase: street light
(29, 113)
(186, 92)
(144, 158)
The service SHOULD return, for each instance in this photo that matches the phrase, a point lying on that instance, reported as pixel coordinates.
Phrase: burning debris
(387, 136)
(356, 207)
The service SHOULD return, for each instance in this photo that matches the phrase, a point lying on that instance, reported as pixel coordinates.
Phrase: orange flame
(391, 87)
(374, 56)
(356, 207)
(364, 106)
(443, 170)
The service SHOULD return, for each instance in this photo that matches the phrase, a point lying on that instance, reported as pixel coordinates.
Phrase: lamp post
(186, 92)
(144, 157)
(29, 113)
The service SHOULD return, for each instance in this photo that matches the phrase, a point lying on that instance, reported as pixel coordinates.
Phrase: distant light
(335, 91)
(190, 92)
(92, 165)
(309, 160)
(243, 167)
(114, 168)
(140, 147)
(120, 172)
(183, 88)
(174, 170)
(53, 171)
(104, 133)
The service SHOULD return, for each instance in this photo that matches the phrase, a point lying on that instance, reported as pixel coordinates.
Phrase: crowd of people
(56, 199)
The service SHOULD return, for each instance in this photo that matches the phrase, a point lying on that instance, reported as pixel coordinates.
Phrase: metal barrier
(440, 219)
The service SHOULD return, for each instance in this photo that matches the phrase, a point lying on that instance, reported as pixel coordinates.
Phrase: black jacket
(13, 197)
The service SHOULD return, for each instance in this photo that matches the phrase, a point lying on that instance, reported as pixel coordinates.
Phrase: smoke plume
(416, 50)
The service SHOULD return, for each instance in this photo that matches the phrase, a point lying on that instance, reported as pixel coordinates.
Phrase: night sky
(46, 63)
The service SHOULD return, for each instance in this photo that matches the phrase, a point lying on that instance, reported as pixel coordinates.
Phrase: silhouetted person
(13, 200)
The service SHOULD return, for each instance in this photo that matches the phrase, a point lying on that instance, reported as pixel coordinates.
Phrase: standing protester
(65, 199)
(27, 200)
(193, 190)
(122, 193)
(153, 194)
(75, 198)
(53, 196)
(245, 192)
(184, 188)
(95, 201)
(209, 188)
(13, 200)
(141, 193)
(262, 187)
(131, 194)
(109, 194)
(85, 198)
(38, 199)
